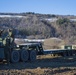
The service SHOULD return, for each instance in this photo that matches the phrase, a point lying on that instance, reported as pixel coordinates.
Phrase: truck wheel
(32, 55)
(15, 56)
(24, 55)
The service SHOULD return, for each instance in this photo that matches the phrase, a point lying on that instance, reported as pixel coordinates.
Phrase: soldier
(7, 49)
(9, 40)
(11, 35)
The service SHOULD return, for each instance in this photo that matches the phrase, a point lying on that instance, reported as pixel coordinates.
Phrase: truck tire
(32, 55)
(24, 55)
(15, 56)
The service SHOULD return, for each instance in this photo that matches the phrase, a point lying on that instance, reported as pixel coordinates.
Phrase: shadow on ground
(42, 63)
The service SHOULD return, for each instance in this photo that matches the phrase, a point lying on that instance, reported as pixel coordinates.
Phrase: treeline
(35, 26)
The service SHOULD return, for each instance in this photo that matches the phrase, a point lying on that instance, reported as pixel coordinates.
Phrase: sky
(59, 7)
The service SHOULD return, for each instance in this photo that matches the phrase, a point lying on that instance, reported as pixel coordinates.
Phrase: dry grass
(53, 43)
(39, 71)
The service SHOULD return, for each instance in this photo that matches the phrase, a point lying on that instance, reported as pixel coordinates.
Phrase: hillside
(34, 25)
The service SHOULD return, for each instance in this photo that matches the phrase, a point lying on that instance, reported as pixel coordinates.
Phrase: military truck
(11, 52)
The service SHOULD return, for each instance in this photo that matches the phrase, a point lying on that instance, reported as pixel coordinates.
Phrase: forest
(40, 26)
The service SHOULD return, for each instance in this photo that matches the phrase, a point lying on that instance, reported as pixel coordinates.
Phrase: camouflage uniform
(7, 49)
(8, 45)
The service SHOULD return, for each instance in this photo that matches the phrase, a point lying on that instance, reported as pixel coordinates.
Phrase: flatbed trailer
(29, 51)
(62, 52)
(40, 51)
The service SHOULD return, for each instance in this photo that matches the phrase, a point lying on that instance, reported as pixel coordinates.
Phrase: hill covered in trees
(35, 25)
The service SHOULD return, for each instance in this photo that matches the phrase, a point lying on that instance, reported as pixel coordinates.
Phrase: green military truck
(11, 52)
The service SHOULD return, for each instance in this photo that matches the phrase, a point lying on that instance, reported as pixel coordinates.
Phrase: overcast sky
(61, 7)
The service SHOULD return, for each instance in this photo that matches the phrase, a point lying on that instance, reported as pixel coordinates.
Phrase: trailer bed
(57, 51)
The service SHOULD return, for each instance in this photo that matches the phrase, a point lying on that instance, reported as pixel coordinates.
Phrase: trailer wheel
(15, 56)
(24, 55)
(32, 55)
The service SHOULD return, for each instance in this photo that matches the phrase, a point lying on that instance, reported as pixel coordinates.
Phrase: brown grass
(53, 43)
